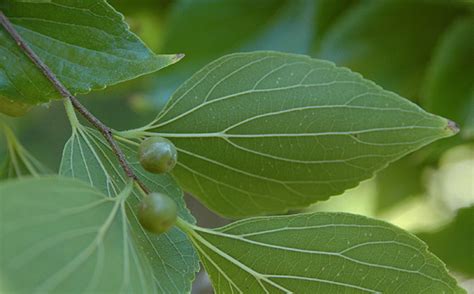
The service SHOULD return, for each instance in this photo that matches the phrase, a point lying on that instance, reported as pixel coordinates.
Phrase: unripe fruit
(157, 155)
(157, 212)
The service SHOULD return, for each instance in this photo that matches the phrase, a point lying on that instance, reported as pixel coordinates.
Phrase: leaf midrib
(56, 278)
(258, 276)
(338, 254)
(96, 141)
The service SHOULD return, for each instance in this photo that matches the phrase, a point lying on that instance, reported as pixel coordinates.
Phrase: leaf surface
(60, 235)
(264, 132)
(319, 253)
(173, 260)
(86, 44)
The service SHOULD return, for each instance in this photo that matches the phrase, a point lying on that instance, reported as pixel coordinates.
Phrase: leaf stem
(71, 114)
(184, 226)
(101, 127)
(135, 133)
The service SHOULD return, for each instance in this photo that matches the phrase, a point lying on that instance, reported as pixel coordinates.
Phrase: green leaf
(454, 242)
(265, 132)
(60, 235)
(85, 43)
(173, 260)
(18, 161)
(449, 88)
(389, 42)
(319, 253)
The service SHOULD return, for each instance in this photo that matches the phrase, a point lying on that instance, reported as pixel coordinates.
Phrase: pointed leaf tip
(178, 56)
(283, 131)
(367, 255)
(452, 127)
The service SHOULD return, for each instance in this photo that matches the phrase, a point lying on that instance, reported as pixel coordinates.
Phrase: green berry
(157, 155)
(157, 212)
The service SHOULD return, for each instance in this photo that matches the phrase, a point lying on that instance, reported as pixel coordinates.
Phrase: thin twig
(103, 129)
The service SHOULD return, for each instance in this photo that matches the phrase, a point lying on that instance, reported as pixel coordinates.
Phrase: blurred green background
(421, 49)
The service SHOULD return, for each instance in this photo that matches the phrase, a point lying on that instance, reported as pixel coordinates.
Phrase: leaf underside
(264, 132)
(59, 235)
(173, 260)
(319, 253)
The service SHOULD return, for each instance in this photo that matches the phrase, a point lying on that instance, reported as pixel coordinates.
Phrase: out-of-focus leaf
(205, 30)
(452, 182)
(454, 243)
(210, 28)
(449, 90)
(401, 179)
(87, 156)
(389, 42)
(128, 7)
(85, 43)
(319, 253)
(60, 235)
(290, 29)
(17, 161)
(265, 132)
(12, 107)
(327, 12)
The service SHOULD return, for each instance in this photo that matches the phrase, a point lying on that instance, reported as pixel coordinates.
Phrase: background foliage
(423, 50)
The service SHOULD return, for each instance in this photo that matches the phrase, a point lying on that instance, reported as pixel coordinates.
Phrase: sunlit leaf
(85, 43)
(319, 253)
(264, 132)
(88, 157)
(60, 235)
